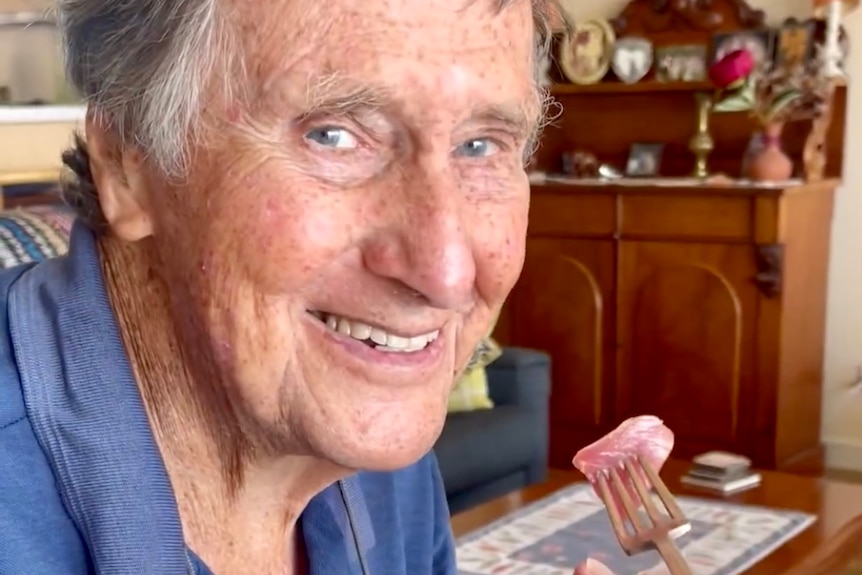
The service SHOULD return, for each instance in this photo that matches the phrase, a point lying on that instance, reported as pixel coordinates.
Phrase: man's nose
(427, 244)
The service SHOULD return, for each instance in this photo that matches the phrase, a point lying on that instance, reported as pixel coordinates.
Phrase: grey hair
(145, 67)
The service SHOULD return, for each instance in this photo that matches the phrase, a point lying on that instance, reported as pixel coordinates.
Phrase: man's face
(345, 239)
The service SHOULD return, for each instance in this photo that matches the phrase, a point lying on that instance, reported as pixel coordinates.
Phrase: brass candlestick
(702, 144)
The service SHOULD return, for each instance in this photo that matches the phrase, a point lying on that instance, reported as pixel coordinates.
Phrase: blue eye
(478, 148)
(332, 137)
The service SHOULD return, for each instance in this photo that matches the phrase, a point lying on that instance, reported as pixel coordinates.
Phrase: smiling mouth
(373, 336)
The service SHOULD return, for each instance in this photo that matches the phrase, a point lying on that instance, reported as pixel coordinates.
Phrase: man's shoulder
(12, 410)
(16, 433)
(27, 291)
(36, 534)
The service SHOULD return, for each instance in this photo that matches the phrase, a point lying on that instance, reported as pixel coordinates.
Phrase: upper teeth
(383, 341)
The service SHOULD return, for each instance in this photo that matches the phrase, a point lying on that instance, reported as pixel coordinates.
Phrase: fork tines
(634, 531)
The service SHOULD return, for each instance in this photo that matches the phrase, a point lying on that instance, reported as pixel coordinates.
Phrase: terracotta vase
(769, 163)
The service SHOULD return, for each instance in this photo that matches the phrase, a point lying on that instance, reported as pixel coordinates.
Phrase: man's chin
(383, 450)
(388, 461)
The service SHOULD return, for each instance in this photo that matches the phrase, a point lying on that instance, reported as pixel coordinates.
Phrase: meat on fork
(645, 437)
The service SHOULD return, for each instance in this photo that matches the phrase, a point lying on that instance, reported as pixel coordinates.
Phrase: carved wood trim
(814, 153)
(657, 16)
(749, 17)
(769, 260)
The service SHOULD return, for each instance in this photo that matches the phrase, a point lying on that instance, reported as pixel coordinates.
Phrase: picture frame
(759, 43)
(644, 160)
(681, 63)
(632, 59)
(585, 52)
(794, 43)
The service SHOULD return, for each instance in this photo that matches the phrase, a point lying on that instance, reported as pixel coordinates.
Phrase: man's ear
(118, 173)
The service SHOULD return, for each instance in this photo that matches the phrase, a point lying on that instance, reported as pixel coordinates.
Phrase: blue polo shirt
(83, 488)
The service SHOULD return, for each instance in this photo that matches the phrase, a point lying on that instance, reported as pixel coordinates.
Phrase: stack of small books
(722, 472)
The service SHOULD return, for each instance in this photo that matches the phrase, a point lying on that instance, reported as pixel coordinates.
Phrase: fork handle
(676, 563)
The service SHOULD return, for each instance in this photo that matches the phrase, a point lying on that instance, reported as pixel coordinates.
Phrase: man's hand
(592, 567)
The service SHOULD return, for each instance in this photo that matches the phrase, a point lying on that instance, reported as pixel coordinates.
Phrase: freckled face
(344, 242)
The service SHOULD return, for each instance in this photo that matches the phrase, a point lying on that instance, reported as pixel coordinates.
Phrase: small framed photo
(644, 160)
(585, 53)
(759, 43)
(684, 63)
(794, 43)
(633, 58)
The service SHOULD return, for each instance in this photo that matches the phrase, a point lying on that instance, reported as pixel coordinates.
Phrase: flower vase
(755, 145)
(769, 163)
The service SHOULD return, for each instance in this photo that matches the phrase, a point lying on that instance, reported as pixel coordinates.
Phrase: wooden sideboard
(702, 305)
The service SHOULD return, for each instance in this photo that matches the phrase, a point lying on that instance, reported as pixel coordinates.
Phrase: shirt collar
(85, 408)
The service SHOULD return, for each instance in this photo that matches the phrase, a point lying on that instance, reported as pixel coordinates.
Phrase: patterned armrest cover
(34, 233)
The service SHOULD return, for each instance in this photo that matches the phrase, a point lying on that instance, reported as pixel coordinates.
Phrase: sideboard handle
(769, 259)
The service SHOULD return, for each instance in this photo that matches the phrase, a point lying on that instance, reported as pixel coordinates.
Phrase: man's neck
(235, 508)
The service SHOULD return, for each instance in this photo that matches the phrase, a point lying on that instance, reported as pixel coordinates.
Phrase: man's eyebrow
(337, 94)
(515, 117)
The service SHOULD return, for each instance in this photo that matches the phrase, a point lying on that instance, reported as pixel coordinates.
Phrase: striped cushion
(34, 233)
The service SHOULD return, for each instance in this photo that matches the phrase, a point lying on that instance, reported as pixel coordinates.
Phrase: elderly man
(297, 219)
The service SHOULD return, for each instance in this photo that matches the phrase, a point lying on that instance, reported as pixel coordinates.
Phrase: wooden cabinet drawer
(571, 214)
(698, 217)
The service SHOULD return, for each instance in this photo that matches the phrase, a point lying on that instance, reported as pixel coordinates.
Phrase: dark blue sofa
(485, 454)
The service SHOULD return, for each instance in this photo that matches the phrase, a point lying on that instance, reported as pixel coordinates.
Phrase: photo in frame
(794, 43)
(633, 59)
(759, 43)
(644, 160)
(683, 63)
(586, 51)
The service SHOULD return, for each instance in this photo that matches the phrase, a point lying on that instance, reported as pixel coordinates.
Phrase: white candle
(832, 49)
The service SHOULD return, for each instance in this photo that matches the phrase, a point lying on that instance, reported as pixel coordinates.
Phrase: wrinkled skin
(381, 216)
(407, 211)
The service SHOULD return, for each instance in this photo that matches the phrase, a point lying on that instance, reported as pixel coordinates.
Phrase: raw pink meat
(645, 435)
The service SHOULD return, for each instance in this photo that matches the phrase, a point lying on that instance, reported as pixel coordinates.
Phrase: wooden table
(828, 547)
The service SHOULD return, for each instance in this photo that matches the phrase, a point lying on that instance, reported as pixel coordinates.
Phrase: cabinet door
(686, 328)
(563, 305)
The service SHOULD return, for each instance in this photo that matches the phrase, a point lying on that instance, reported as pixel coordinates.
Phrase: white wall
(30, 58)
(31, 66)
(842, 428)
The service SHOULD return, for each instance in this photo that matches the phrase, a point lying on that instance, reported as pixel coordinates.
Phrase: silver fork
(635, 532)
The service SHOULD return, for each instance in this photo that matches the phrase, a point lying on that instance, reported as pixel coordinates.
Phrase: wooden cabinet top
(689, 212)
(678, 187)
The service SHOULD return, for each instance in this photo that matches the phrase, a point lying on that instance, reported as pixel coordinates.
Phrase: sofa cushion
(471, 390)
(484, 445)
(33, 234)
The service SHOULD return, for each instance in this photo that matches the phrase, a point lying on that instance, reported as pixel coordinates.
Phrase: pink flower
(731, 71)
